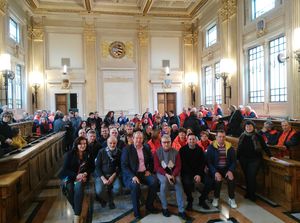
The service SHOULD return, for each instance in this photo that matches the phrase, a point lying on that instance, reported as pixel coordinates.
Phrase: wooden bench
(10, 188)
(279, 181)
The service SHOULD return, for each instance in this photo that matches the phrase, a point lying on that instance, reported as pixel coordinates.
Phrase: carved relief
(3, 7)
(143, 35)
(228, 9)
(105, 49)
(65, 84)
(129, 49)
(188, 39)
(89, 33)
(195, 38)
(37, 34)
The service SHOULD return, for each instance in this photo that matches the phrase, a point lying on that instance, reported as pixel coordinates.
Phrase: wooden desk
(9, 202)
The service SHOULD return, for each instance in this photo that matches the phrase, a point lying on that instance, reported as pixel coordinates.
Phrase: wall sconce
(191, 80)
(226, 68)
(36, 81)
(5, 70)
(297, 46)
(65, 69)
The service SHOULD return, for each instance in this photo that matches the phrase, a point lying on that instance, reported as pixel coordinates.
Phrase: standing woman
(249, 153)
(74, 175)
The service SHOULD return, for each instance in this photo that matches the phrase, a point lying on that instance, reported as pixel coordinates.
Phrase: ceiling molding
(88, 5)
(147, 7)
(198, 7)
(32, 3)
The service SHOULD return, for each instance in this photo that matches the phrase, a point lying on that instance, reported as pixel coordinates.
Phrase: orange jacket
(154, 145)
(177, 144)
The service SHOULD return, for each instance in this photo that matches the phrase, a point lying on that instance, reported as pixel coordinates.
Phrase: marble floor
(50, 206)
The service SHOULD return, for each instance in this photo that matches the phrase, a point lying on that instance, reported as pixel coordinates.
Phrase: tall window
(260, 7)
(278, 75)
(14, 32)
(208, 85)
(18, 86)
(256, 74)
(218, 85)
(10, 93)
(211, 36)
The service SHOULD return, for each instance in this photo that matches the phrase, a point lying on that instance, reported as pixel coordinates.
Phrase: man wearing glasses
(167, 165)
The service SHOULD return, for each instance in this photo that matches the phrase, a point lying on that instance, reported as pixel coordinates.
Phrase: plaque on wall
(117, 49)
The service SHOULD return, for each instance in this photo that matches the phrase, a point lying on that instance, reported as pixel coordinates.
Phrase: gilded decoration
(37, 34)
(105, 49)
(228, 9)
(129, 49)
(89, 33)
(117, 49)
(188, 39)
(143, 35)
(3, 7)
(195, 38)
(65, 84)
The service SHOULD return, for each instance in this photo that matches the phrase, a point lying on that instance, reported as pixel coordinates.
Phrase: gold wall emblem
(117, 49)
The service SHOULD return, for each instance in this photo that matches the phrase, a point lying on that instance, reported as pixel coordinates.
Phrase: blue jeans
(107, 193)
(135, 189)
(74, 194)
(164, 186)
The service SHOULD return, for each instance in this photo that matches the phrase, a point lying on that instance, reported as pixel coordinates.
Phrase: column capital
(3, 7)
(228, 9)
(143, 35)
(89, 33)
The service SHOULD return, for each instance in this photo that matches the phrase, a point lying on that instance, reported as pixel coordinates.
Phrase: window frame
(18, 105)
(17, 24)
(210, 27)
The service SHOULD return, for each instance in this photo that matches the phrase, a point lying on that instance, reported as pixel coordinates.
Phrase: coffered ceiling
(161, 8)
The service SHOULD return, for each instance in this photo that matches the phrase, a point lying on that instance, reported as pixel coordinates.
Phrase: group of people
(159, 151)
(128, 155)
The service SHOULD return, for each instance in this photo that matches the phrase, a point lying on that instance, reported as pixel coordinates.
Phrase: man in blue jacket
(137, 168)
(221, 161)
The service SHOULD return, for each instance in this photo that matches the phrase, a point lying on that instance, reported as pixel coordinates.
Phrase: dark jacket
(93, 149)
(105, 166)
(5, 133)
(193, 122)
(212, 157)
(130, 162)
(192, 161)
(251, 147)
(235, 120)
(71, 167)
(174, 120)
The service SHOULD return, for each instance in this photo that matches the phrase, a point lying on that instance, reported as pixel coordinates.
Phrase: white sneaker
(215, 202)
(232, 203)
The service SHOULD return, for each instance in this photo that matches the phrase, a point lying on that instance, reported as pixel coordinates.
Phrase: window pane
(278, 73)
(256, 74)
(211, 36)
(10, 93)
(13, 30)
(260, 7)
(18, 86)
(208, 86)
(218, 85)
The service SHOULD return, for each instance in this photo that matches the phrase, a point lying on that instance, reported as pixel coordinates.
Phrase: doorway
(166, 102)
(66, 102)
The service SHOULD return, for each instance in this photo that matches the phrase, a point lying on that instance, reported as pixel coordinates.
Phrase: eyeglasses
(166, 142)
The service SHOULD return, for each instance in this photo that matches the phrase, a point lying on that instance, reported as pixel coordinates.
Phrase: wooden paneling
(40, 162)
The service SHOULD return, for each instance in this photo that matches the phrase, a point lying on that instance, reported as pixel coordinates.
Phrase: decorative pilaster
(36, 35)
(143, 39)
(188, 60)
(293, 85)
(89, 34)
